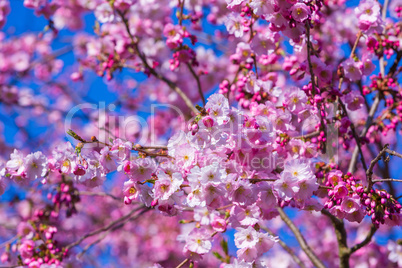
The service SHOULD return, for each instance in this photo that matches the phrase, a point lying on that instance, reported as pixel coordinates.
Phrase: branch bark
(152, 71)
(287, 249)
(107, 227)
(369, 121)
(341, 235)
(367, 240)
(302, 242)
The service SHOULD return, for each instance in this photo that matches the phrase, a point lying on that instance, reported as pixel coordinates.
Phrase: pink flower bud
(208, 121)
(127, 200)
(76, 76)
(154, 203)
(219, 224)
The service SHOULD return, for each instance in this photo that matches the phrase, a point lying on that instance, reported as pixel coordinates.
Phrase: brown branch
(53, 55)
(287, 249)
(198, 83)
(100, 194)
(369, 172)
(352, 126)
(307, 136)
(309, 49)
(367, 240)
(302, 242)
(389, 179)
(121, 224)
(369, 121)
(377, 98)
(356, 137)
(87, 247)
(384, 9)
(153, 154)
(393, 153)
(259, 180)
(9, 241)
(151, 147)
(152, 71)
(180, 18)
(392, 70)
(341, 236)
(107, 227)
(182, 263)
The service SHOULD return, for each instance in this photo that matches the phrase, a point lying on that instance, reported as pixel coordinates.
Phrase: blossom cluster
(286, 118)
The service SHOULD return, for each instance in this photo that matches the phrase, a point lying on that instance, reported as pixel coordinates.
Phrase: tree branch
(100, 194)
(286, 248)
(198, 83)
(152, 71)
(393, 153)
(153, 147)
(352, 126)
(309, 49)
(341, 235)
(302, 242)
(107, 227)
(356, 137)
(121, 224)
(376, 100)
(369, 121)
(182, 263)
(307, 136)
(369, 172)
(389, 179)
(367, 240)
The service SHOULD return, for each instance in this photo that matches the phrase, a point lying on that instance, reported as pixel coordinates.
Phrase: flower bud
(208, 121)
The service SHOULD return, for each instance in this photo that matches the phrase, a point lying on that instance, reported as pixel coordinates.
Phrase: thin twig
(53, 55)
(393, 153)
(258, 180)
(389, 179)
(352, 126)
(182, 263)
(121, 224)
(153, 154)
(356, 137)
(367, 240)
(8, 241)
(302, 242)
(287, 249)
(369, 121)
(341, 236)
(369, 172)
(376, 100)
(152, 71)
(309, 49)
(153, 147)
(100, 194)
(105, 228)
(181, 4)
(198, 82)
(87, 247)
(384, 9)
(308, 136)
